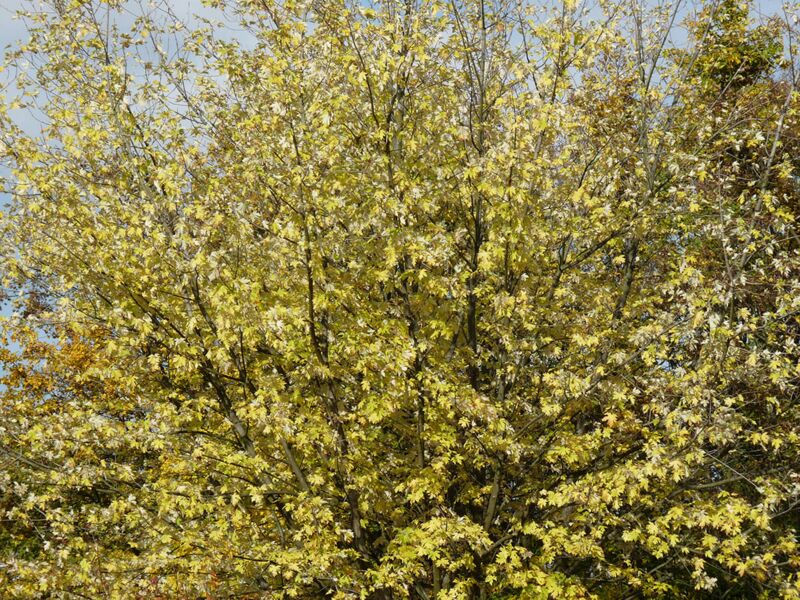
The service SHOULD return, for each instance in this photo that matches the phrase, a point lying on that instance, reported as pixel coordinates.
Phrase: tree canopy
(421, 299)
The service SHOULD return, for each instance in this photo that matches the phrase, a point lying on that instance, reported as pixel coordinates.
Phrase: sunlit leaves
(402, 300)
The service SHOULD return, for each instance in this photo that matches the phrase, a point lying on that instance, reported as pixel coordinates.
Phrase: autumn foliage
(431, 300)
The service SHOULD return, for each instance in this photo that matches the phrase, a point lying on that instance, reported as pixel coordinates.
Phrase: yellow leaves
(657, 546)
(610, 419)
(649, 355)
(632, 535)
(85, 565)
(581, 196)
(217, 534)
(356, 325)
(765, 440)
(586, 341)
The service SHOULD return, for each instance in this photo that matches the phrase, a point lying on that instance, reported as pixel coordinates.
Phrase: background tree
(415, 299)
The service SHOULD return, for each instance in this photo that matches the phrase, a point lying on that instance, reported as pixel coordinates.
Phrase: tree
(408, 300)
